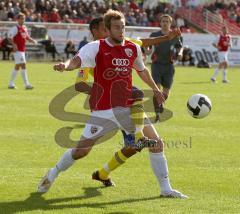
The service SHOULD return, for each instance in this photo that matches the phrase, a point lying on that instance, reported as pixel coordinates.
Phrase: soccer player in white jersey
(18, 36)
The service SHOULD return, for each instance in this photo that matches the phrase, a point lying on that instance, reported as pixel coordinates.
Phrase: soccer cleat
(12, 87)
(29, 87)
(213, 80)
(45, 184)
(225, 81)
(144, 142)
(173, 194)
(106, 183)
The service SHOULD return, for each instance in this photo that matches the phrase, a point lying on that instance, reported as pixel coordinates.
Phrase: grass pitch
(203, 155)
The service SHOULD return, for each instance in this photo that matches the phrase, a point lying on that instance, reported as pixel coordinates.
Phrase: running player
(113, 59)
(157, 157)
(222, 43)
(18, 36)
(162, 61)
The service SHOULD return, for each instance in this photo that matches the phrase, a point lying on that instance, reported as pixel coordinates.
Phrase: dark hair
(94, 23)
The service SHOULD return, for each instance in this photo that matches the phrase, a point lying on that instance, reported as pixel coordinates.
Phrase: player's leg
(130, 147)
(89, 137)
(65, 162)
(225, 65)
(218, 68)
(166, 82)
(17, 60)
(117, 160)
(24, 72)
(159, 164)
(156, 69)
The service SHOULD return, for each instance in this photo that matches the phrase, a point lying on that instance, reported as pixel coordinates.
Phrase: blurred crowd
(225, 10)
(137, 12)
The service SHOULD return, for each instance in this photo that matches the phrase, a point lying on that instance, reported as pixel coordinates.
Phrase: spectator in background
(6, 47)
(180, 22)
(66, 19)
(38, 18)
(188, 56)
(3, 12)
(70, 49)
(82, 43)
(49, 47)
(54, 16)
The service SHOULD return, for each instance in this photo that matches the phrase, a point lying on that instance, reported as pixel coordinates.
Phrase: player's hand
(174, 33)
(59, 67)
(14, 48)
(35, 42)
(159, 96)
(179, 57)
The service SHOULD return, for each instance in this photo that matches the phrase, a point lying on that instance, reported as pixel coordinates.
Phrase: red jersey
(224, 42)
(113, 65)
(19, 34)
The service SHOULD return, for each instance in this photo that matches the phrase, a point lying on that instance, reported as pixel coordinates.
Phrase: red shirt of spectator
(54, 16)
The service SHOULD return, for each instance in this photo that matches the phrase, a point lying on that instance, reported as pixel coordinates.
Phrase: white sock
(13, 77)
(224, 74)
(160, 169)
(63, 164)
(25, 77)
(215, 73)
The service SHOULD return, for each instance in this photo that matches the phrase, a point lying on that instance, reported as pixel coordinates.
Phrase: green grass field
(207, 171)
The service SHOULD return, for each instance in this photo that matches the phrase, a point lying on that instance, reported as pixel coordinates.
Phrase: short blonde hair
(20, 15)
(166, 16)
(110, 15)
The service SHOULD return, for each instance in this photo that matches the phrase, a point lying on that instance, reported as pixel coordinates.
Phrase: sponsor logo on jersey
(120, 62)
(129, 52)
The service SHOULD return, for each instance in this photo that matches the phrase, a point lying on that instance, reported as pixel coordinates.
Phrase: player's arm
(30, 39)
(157, 40)
(215, 43)
(84, 58)
(13, 32)
(68, 65)
(144, 74)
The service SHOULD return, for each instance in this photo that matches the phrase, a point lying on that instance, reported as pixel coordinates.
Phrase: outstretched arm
(157, 40)
(68, 65)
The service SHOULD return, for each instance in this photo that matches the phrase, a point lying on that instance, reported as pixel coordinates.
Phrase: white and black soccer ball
(199, 106)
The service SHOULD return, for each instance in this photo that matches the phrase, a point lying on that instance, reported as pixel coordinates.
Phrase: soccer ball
(199, 105)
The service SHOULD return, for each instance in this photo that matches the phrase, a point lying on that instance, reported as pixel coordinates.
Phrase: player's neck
(165, 31)
(114, 42)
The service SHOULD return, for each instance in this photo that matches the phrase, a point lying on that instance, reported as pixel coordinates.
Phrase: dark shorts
(163, 74)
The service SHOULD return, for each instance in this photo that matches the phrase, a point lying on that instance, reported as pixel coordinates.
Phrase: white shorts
(19, 57)
(223, 56)
(103, 122)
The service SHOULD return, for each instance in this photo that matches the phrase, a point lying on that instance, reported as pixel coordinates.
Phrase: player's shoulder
(156, 33)
(135, 41)
(90, 45)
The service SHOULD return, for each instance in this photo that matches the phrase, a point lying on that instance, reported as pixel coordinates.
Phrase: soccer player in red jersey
(18, 36)
(111, 58)
(223, 43)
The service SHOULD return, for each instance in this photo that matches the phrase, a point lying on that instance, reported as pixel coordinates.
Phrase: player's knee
(158, 147)
(80, 152)
(129, 151)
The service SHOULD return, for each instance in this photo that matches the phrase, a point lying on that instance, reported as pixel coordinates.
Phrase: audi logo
(120, 62)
